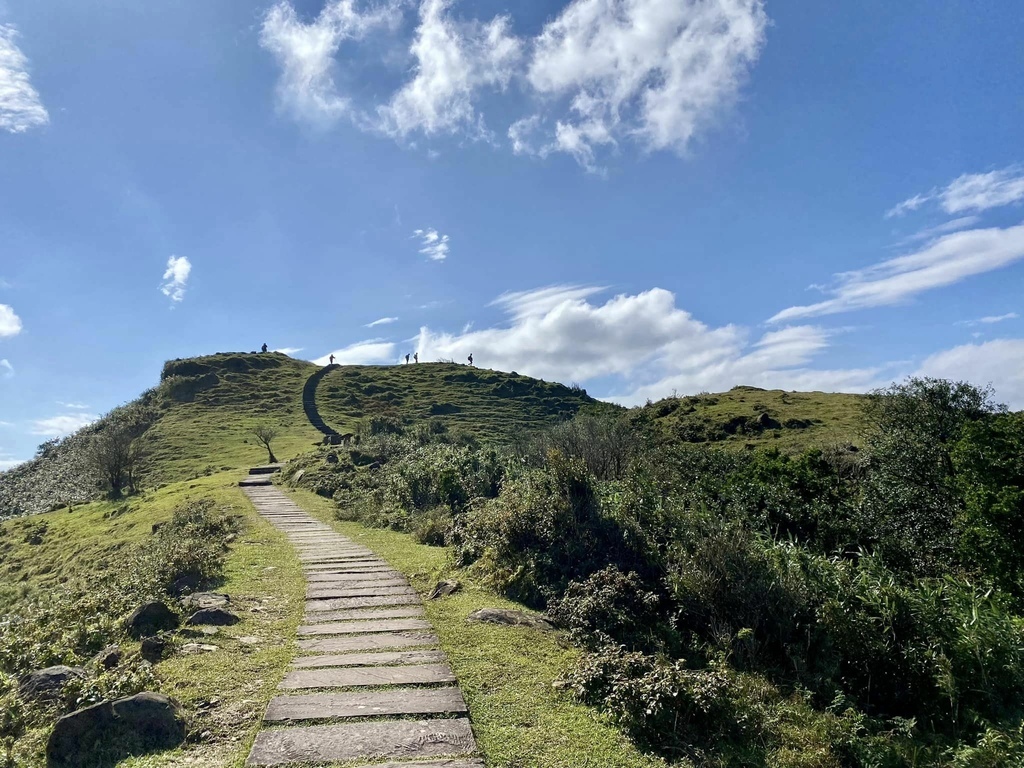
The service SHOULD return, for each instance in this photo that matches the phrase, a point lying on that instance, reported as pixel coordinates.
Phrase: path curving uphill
(371, 685)
(309, 401)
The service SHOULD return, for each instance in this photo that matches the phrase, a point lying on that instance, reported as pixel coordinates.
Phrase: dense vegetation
(836, 607)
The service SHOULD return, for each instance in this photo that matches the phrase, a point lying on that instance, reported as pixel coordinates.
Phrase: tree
(114, 455)
(265, 434)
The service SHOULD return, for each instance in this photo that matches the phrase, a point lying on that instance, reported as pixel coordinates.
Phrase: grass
(225, 692)
(508, 674)
(804, 419)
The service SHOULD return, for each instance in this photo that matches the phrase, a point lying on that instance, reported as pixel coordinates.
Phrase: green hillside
(752, 417)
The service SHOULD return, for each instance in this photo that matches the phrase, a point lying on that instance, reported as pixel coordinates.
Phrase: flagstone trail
(370, 683)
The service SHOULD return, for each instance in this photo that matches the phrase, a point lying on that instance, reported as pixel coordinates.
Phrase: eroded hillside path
(370, 683)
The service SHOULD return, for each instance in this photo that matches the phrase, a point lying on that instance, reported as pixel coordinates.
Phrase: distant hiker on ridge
(470, 358)
(416, 357)
(406, 359)
(264, 347)
(332, 359)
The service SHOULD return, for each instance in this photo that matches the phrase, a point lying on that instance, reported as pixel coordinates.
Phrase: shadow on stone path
(370, 684)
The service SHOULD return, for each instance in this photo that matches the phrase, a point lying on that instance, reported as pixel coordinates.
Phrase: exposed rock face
(216, 617)
(47, 684)
(109, 657)
(505, 616)
(150, 618)
(443, 589)
(202, 600)
(133, 725)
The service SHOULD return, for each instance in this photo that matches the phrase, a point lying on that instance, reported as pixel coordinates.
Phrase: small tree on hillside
(114, 455)
(265, 434)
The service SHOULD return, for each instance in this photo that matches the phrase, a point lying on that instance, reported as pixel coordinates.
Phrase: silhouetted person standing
(470, 358)
(264, 347)
(416, 357)
(406, 359)
(332, 359)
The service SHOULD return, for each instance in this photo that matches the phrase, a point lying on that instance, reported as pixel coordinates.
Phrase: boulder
(443, 589)
(133, 725)
(217, 617)
(154, 648)
(505, 616)
(47, 684)
(202, 600)
(332, 458)
(109, 657)
(150, 618)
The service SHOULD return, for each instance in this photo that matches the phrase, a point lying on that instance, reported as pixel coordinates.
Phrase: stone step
(368, 625)
(266, 469)
(326, 593)
(345, 603)
(337, 578)
(382, 641)
(352, 741)
(363, 677)
(386, 658)
(401, 612)
(403, 701)
(252, 481)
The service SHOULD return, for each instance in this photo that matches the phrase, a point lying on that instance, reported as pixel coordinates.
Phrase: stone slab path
(371, 685)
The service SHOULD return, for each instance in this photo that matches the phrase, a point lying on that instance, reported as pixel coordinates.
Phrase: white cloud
(381, 321)
(970, 192)
(305, 52)
(6, 369)
(368, 352)
(990, 319)
(20, 105)
(999, 362)
(73, 406)
(435, 245)
(647, 344)
(942, 262)
(953, 225)
(176, 277)
(6, 464)
(654, 71)
(454, 60)
(65, 424)
(289, 350)
(10, 323)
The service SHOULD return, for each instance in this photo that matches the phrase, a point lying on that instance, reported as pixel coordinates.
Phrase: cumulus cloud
(176, 278)
(6, 464)
(370, 352)
(381, 321)
(653, 71)
(999, 362)
(306, 51)
(454, 60)
(643, 343)
(65, 424)
(289, 350)
(942, 262)
(10, 323)
(6, 370)
(970, 192)
(434, 245)
(20, 105)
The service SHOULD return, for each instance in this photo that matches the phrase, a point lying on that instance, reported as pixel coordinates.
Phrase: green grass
(508, 674)
(262, 575)
(805, 419)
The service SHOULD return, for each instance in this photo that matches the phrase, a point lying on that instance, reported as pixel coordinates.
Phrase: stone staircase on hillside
(309, 402)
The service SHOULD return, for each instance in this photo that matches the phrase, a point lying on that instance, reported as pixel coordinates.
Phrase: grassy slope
(491, 405)
(262, 576)
(507, 673)
(806, 419)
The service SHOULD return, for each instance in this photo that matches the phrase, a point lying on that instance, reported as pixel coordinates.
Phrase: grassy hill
(752, 417)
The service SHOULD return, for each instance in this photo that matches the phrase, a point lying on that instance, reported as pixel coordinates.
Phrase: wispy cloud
(990, 319)
(306, 51)
(435, 245)
(176, 278)
(953, 225)
(65, 424)
(10, 323)
(453, 61)
(368, 352)
(73, 406)
(6, 369)
(381, 321)
(20, 105)
(942, 262)
(970, 192)
(999, 362)
(289, 350)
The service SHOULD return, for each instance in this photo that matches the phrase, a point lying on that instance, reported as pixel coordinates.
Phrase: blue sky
(647, 197)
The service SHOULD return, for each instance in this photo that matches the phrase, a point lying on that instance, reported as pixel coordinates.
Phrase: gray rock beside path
(215, 617)
(512, 618)
(48, 684)
(150, 618)
(201, 600)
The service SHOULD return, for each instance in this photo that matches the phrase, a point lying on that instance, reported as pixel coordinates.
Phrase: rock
(764, 421)
(150, 618)
(133, 725)
(202, 600)
(217, 617)
(47, 684)
(443, 589)
(109, 657)
(332, 458)
(190, 649)
(248, 640)
(505, 616)
(154, 648)
(185, 584)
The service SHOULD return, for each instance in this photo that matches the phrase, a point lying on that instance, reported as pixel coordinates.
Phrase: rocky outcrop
(48, 684)
(151, 618)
